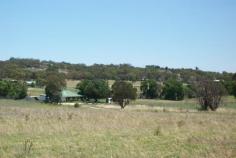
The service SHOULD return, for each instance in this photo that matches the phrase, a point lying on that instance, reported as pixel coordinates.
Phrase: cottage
(69, 95)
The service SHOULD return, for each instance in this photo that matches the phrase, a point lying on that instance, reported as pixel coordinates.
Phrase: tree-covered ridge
(25, 69)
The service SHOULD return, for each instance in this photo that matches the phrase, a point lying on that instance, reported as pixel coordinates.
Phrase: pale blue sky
(173, 33)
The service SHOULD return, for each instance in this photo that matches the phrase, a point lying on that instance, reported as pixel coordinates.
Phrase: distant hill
(25, 69)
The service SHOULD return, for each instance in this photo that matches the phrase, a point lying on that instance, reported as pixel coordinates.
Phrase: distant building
(69, 95)
(30, 83)
(109, 100)
(66, 96)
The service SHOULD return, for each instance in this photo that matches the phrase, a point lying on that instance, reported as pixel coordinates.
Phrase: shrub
(77, 105)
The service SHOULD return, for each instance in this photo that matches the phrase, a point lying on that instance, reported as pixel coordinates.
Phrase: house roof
(70, 93)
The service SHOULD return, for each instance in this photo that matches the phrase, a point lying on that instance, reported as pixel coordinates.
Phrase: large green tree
(94, 89)
(4, 88)
(150, 89)
(13, 89)
(55, 83)
(173, 90)
(234, 85)
(234, 89)
(122, 92)
(189, 91)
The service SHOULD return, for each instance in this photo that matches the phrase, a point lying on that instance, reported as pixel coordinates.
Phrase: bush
(77, 105)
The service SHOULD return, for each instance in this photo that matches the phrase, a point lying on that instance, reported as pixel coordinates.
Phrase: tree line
(25, 69)
(157, 82)
(208, 92)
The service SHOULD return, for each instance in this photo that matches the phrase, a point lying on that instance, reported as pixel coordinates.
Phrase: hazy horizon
(162, 66)
(176, 34)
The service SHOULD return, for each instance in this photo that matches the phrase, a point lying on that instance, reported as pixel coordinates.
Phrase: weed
(69, 116)
(28, 144)
(157, 131)
(27, 117)
(77, 105)
(180, 123)
(165, 110)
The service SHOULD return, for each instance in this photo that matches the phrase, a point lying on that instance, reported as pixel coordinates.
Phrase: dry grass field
(35, 91)
(72, 83)
(29, 129)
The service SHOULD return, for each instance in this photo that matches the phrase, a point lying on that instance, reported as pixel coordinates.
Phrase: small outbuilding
(30, 83)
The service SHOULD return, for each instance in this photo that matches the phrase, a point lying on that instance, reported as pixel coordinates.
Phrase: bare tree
(210, 94)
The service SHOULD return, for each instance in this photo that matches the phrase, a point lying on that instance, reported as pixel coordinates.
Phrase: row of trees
(171, 90)
(121, 91)
(97, 89)
(94, 89)
(33, 69)
(208, 92)
(24, 69)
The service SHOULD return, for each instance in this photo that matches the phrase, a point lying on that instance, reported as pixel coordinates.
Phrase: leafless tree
(210, 94)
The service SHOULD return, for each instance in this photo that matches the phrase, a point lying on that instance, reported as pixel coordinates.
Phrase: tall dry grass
(32, 131)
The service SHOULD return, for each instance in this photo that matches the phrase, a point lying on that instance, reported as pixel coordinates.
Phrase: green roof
(70, 93)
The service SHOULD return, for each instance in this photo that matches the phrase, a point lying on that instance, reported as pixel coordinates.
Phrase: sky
(173, 33)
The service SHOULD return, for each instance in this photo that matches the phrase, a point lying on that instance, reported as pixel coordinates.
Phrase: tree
(55, 83)
(229, 86)
(11, 70)
(234, 89)
(210, 94)
(234, 85)
(17, 90)
(173, 90)
(122, 92)
(234, 77)
(150, 89)
(4, 88)
(189, 91)
(13, 89)
(94, 89)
